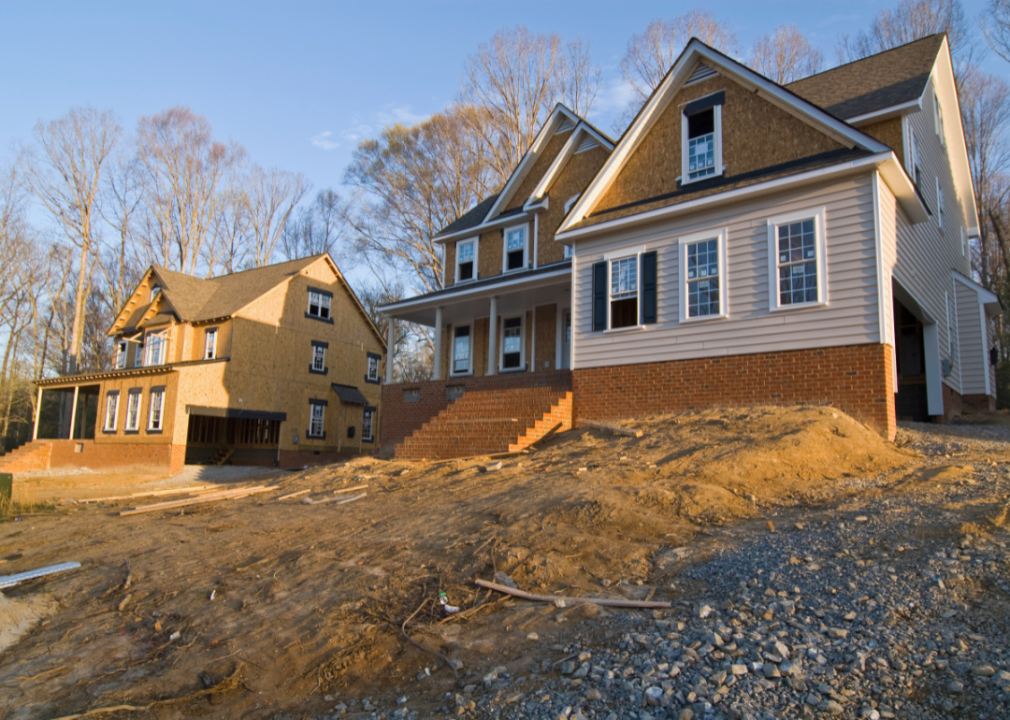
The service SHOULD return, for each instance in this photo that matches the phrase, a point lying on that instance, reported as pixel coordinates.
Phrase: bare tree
(911, 20)
(270, 197)
(514, 81)
(118, 262)
(996, 27)
(184, 173)
(785, 56)
(317, 229)
(65, 172)
(229, 246)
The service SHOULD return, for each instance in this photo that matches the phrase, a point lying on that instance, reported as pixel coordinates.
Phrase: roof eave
(483, 227)
(887, 113)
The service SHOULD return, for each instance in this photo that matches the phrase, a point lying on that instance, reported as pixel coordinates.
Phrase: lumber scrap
(609, 602)
(152, 493)
(230, 495)
(294, 494)
(336, 500)
(616, 429)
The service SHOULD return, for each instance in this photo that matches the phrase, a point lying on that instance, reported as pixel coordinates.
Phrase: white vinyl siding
(888, 228)
(851, 291)
(974, 349)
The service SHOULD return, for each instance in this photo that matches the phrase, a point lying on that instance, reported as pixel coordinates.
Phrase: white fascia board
(546, 132)
(563, 157)
(886, 163)
(887, 113)
(958, 150)
(985, 297)
(696, 50)
(482, 228)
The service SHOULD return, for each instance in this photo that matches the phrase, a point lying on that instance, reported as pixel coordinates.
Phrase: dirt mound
(19, 616)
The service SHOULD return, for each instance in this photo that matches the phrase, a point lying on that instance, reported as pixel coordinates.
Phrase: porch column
(73, 412)
(492, 339)
(437, 373)
(390, 335)
(38, 412)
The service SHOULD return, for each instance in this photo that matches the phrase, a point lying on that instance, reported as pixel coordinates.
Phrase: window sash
(366, 425)
(155, 414)
(154, 349)
(121, 355)
(210, 345)
(318, 358)
(623, 278)
(133, 411)
(515, 240)
(703, 278)
(373, 368)
(111, 411)
(461, 349)
(701, 156)
(796, 245)
(316, 415)
(319, 304)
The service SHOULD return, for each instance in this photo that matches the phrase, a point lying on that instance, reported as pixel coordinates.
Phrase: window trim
(370, 411)
(370, 356)
(452, 352)
(322, 419)
(523, 364)
(130, 394)
(939, 205)
(162, 336)
(938, 124)
(209, 333)
(635, 252)
(308, 304)
(319, 345)
(106, 428)
(156, 390)
(122, 350)
(820, 245)
(476, 249)
(719, 235)
(525, 227)
(685, 176)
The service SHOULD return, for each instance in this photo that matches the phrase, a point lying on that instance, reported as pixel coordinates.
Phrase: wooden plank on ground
(231, 495)
(609, 602)
(153, 493)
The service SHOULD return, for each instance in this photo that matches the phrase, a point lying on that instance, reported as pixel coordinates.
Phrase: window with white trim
(318, 358)
(512, 344)
(367, 423)
(317, 413)
(156, 412)
(515, 249)
(373, 369)
(155, 289)
(154, 348)
(210, 344)
(466, 260)
(568, 252)
(701, 139)
(319, 305)
(133, 410)
(624, 292)
(796, 246)
(704, 275)
(912, 159)
(111, 411)
(939, 204)
(461, 345)
(120, 361)
(938, 118)
(964, 245)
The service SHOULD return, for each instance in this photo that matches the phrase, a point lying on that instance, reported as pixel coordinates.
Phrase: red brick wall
(102, 456)
(401, 418)
(978, 403)
(292, 459)
(856, 379)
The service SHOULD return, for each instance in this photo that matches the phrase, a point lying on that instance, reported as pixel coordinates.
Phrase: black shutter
(600, 296)
(648, 287)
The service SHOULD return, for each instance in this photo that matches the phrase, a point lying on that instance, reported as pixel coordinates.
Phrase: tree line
(173, 194)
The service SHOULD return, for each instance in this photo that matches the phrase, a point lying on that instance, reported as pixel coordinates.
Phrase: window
(366, 424)
(372, 374)
(111, 411)
(515, 249)
(939, 204)
(796, 245)
(154, 348)
(466, 260)
(461, 349)
(412, 395)
(938, 118)
(704, 280)
(156, 411)
(317, 409)
(210, 344)
(318, 357)
(912, 161)
(568, 252)
(120, 361)
(964, 248)
(951, 329)
(138, 354)
(624, 292)
(155, 289)
(512, 343)
(701, 136)
(133, 410)
(319, 304)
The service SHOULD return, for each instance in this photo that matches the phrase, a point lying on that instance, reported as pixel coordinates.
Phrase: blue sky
(299, 83)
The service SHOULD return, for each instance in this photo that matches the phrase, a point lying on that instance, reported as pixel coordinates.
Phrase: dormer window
(120, 361)
(515, 249)
(154, 348)
(319, 304)
(702, 138)
(155, 289)
(466, 260)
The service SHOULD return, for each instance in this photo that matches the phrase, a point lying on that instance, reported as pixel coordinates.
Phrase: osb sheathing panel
(755, 135)
(890, 133)
(145, 382)
(539, 169)
(546, 338)
(449, 265)
(195, 340)
(573, 179)
(480, 346)
(489, 256)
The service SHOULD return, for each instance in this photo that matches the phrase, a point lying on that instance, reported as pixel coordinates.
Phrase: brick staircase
(490, 421)
(34, 455)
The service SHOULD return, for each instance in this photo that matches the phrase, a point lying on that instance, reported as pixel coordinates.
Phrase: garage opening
(249, 439)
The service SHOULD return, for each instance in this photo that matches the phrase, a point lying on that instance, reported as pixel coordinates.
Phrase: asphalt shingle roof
(471, 218)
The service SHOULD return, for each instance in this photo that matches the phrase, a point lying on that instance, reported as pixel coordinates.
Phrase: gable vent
(702, 72)
(588, 143)
(566, 125)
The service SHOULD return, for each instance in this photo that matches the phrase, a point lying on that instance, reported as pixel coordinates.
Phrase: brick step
(34, 455)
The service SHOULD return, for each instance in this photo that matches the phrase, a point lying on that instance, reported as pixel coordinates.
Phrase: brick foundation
(292, 459)
(401, 418)
(54, 454)
(978, 403)
(855, 378)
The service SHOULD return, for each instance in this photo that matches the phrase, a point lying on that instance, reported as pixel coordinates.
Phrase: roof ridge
(868, 57)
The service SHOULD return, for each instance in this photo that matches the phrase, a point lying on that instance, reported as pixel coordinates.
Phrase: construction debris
(616, 429)
(152, 493)
(7, 581)
(562, 601)
(294, 494)
(492, 467)
(336, 500)
(211, 497)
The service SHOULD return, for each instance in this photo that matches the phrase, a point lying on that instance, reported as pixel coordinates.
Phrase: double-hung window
(701, 138)
(796, 249)
(317, 411)
(372, 371)
(466, 260)
(939, 204)
(156, 412)
(318, 364)
(938, 118)
(367, 423)
(133, 410)
(210, 344)
(624, 292)
(461, 349)
(912, 161)
(319, 304)
(515, 248)
(120, 360)
(512, 344)
(111, 410)
(703, 281)
(154, 348)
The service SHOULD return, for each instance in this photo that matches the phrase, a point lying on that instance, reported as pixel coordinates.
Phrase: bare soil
(255, 607)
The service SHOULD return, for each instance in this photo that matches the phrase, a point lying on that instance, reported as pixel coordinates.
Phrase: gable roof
(472, 218)
(875, 83)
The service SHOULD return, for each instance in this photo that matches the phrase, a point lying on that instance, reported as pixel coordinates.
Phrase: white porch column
(437, 374)
(390, 337)
(559, 321)
(934, 378)
(492, 339)
(38, 412)
(73, 412)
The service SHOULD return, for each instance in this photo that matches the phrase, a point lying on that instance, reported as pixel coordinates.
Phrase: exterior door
(566, 340)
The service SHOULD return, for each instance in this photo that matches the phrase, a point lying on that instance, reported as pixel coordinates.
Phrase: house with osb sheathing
(743, 242)
(278, 365)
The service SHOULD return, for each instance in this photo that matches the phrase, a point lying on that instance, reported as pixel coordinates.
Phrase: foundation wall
(104, 456)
